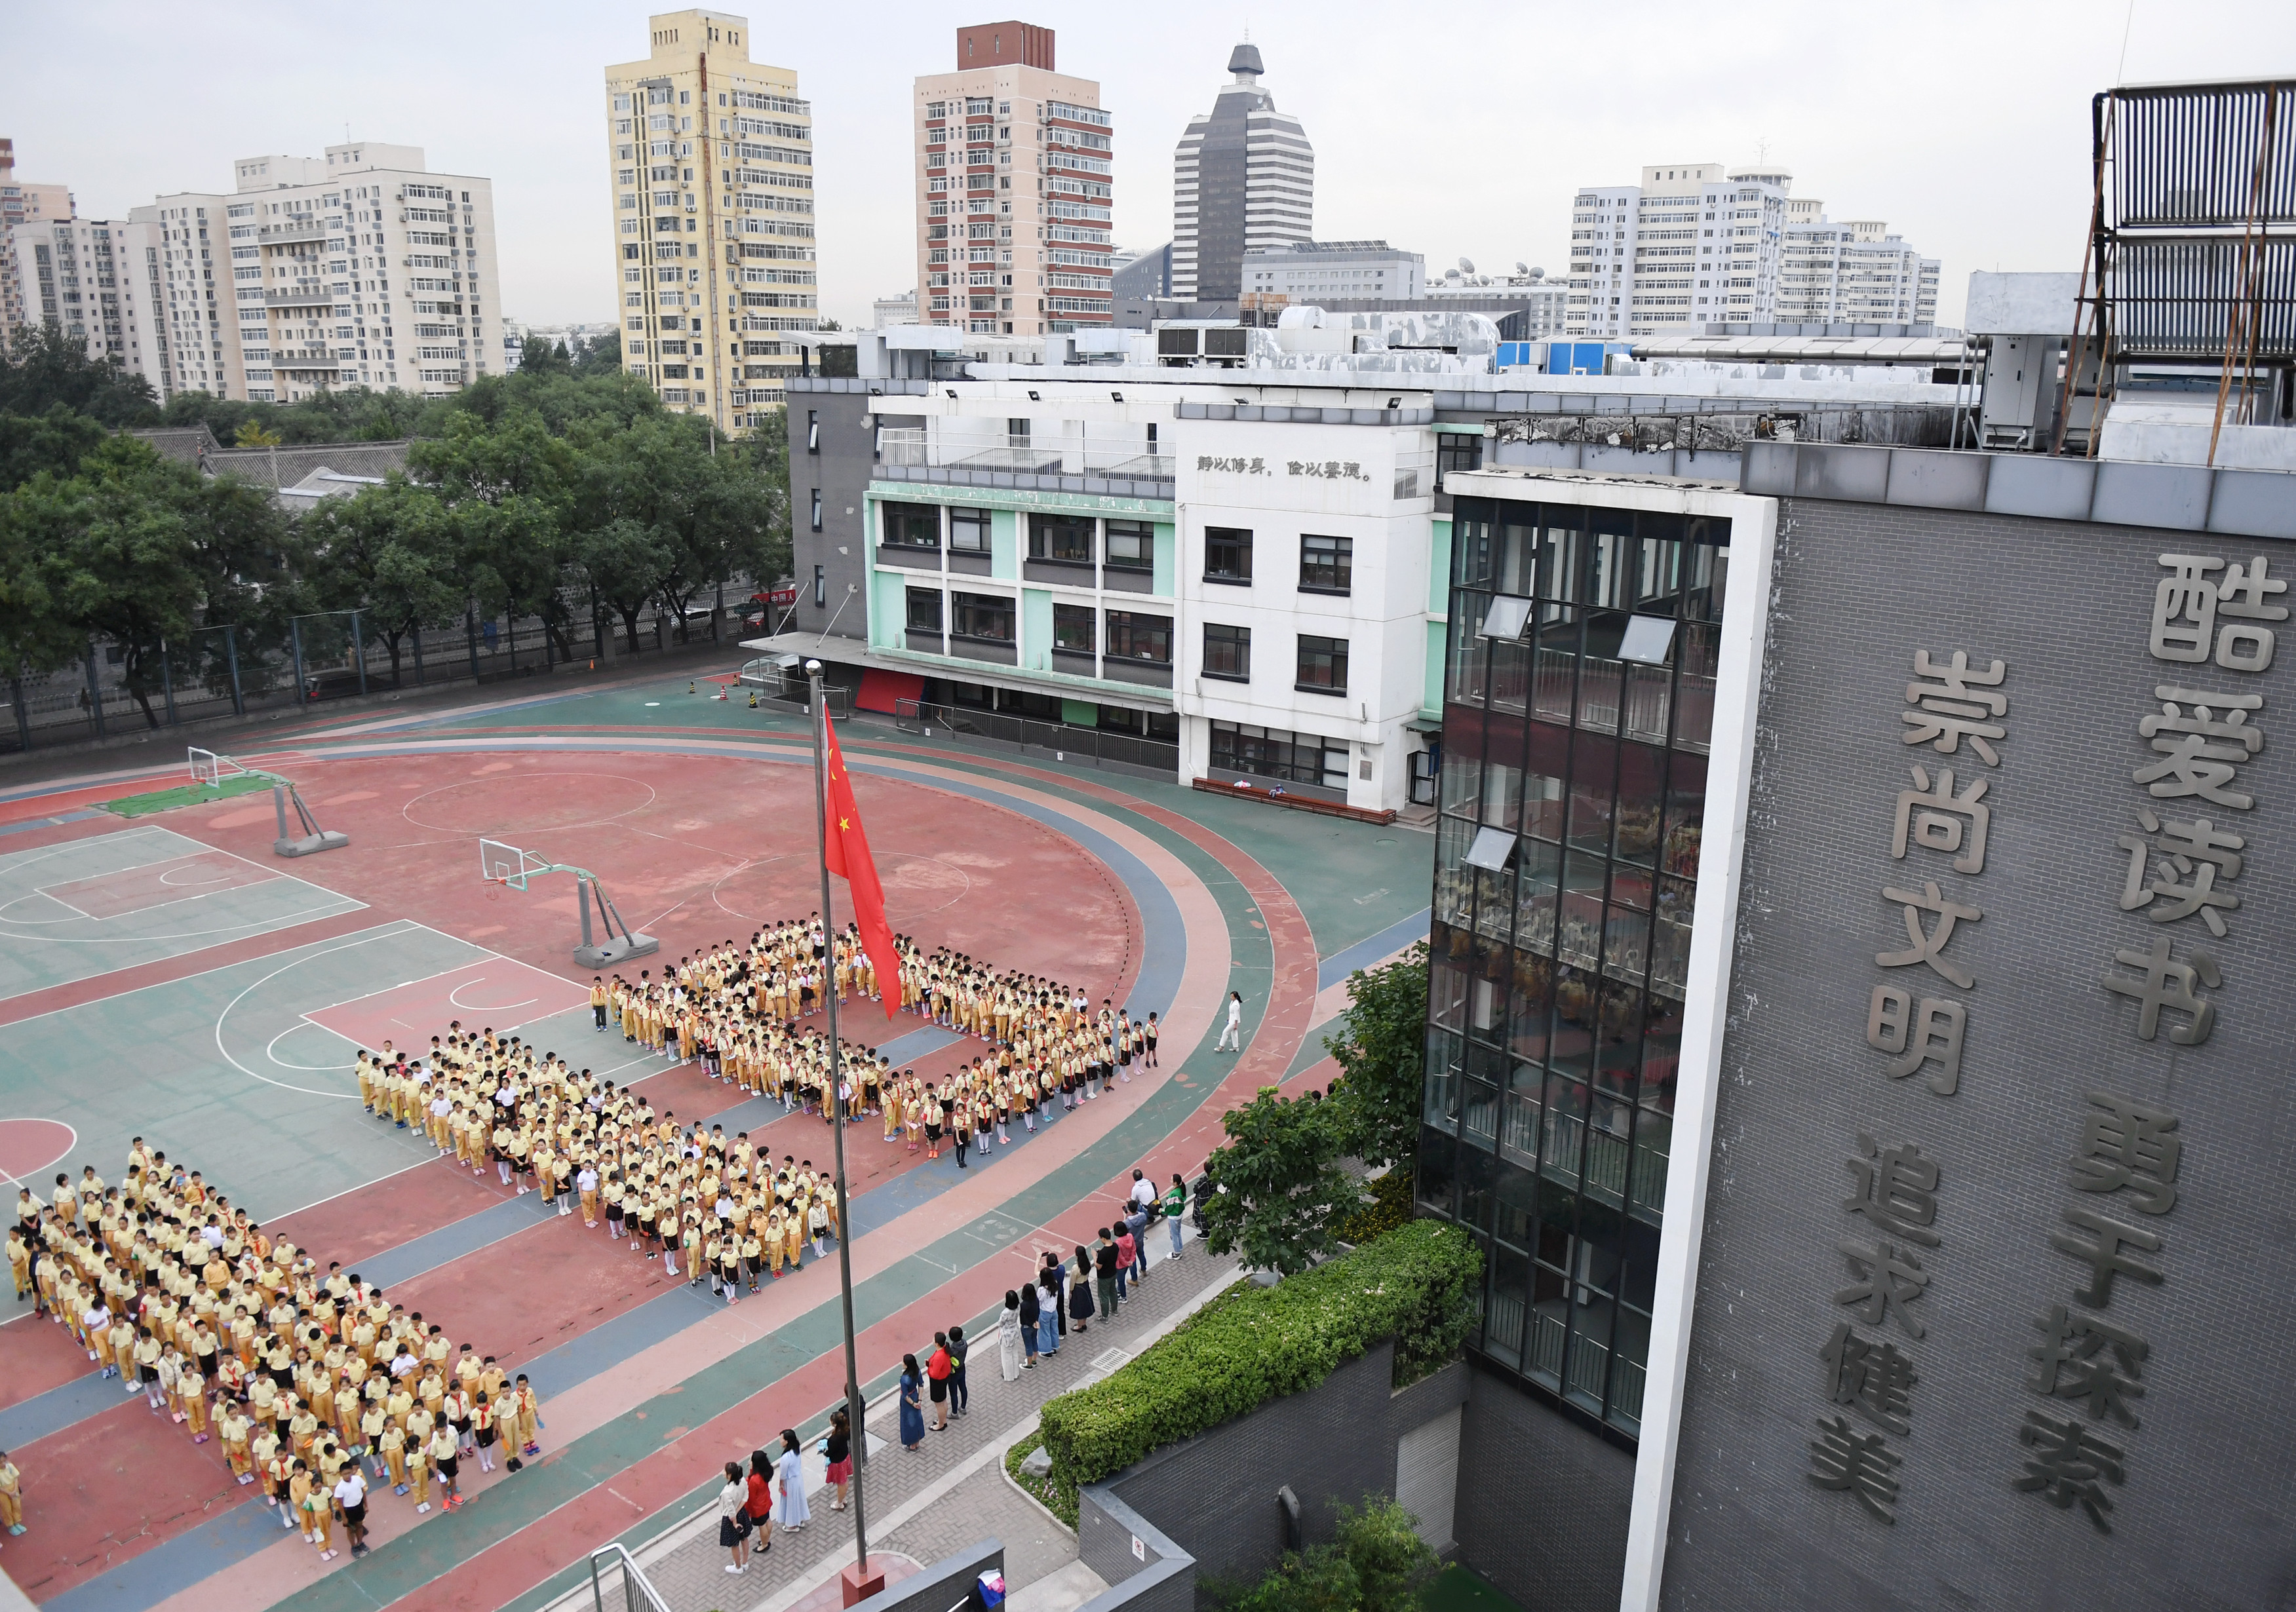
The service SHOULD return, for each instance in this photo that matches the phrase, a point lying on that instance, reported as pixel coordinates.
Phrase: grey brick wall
(1214, 1496)
(2200, 1523)
(1543, 1503)
(841, 472)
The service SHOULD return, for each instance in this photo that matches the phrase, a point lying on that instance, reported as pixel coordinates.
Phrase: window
(813, 431)
(1326, 563)
(911, 526)
(968, 531)
(924, 610)
(1132, 636)
(1131, 546)
(1072, 628)
(1323, 666)
(1227, 554)
(820, 578)
(817, 507)
(1062, 539)
(987, 616)
(1228, 653)
(1273, 753)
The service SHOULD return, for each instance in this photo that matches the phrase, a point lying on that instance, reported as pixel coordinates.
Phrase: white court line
(33, 923)
(184, 978)
(333, 904)
(49, 891)
(365, 938)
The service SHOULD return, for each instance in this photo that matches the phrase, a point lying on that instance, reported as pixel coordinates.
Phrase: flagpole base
(857, 1583)
(619, 949)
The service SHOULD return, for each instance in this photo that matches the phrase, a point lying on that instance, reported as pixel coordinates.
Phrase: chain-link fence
(120, 688)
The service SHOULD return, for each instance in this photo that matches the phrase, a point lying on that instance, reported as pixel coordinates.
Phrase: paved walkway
(953, 1492)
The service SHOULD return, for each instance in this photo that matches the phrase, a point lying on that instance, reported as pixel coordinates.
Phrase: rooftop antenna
(2122, 71)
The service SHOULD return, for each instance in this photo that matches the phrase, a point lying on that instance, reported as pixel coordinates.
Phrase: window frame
(886, 516)
(1144, 530)
(1042, 522)
(1237, 643)
(1339, 568)
(911, 598)
(1070, 616)
(1237, 538)
(1119, 627)
(966, 610)
(1335, 654)
(966, 518)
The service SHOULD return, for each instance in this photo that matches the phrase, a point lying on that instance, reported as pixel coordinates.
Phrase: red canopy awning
(880, 688)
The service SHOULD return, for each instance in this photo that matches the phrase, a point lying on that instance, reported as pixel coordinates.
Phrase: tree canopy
(533, 493)
(1276, 1191)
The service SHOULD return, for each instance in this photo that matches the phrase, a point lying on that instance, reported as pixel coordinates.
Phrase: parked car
(340, 684)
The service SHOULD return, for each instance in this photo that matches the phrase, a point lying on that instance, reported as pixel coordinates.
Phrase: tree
(603, 357)
(1382, 1049)
(253, 433)
(386, 551)
(54, 442)
(142, 550)
(42, 367)
(1275, 1191)
(543, 356)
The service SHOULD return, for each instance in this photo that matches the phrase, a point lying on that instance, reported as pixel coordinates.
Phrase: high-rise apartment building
(1851, 272)
(1690, 244)
(1693, 245)
(359, 267)
(1243, 180)
(711, 156)
(22, 201)
(97, 280)
(1013, 188)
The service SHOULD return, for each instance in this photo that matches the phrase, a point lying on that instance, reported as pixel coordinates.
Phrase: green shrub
(1046, 1491)
(1390, 1208)
(1416, 1285)
(1379, 1564)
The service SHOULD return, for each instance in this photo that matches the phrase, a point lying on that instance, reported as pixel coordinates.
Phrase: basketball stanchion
(209, 771)
(505, 864)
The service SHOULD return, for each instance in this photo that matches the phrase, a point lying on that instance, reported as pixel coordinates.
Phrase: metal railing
(1063, 741)
(1099, 456)
(638, 1593)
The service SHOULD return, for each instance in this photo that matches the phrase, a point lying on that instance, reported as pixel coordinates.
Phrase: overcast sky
(1454, 130)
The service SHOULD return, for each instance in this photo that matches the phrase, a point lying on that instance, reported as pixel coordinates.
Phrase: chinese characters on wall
(1235, 465)
(2181, 869)
(2091, 1370)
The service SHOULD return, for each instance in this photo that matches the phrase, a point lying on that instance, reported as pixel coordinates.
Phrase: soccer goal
(209, 769)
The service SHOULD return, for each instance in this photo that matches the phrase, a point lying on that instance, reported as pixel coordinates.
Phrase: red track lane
(112, 1487)
(384, 1213)
(40, 1354)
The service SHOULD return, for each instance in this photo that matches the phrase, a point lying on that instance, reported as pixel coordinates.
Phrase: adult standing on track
(960, 1395)
(1176, 1204)
(1231, 1038)
(1080, 1292)
(759, 1508)
(912, 1413)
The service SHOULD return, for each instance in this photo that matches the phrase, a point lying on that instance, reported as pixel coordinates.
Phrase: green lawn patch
(189, 794)
(1457, 1589)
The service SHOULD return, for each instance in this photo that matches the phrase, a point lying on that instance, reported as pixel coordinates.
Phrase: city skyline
(2004, 185)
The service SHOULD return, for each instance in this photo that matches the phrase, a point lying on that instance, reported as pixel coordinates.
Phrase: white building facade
(1689, 245)
(357, 268)
(1852, 272)
(97, 280)
(1309, 271)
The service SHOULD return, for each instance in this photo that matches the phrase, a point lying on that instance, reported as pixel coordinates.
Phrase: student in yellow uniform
(11, 1495)
(233, 1428)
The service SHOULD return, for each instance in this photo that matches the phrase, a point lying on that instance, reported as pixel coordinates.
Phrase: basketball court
(182, 984)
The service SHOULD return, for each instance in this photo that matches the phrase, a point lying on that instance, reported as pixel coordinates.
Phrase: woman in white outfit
(795, 1513)
(1008, 1337)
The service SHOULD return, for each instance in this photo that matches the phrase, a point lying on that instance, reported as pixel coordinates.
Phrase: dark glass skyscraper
(1577, 699)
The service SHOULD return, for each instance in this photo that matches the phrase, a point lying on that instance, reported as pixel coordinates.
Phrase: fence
(616, 1579)
(123, 688)
(1060, 740)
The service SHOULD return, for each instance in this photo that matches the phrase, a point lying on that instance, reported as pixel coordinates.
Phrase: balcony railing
(1086, 456)
(309, 295)
(280, 234)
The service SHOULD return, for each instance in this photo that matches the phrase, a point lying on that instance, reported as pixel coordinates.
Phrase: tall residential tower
(1243, 180)
(360, 267)
(1014, 189)
(22, 201)
(711, 158)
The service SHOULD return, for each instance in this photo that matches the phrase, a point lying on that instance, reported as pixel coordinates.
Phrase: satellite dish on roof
(1539, 273)
(1520, 267)
(1466, 266)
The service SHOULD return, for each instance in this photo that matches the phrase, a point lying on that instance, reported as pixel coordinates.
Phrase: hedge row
(1389, 1206)
(1416, 1285)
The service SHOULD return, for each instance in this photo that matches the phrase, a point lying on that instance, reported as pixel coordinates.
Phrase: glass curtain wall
(1561, 951)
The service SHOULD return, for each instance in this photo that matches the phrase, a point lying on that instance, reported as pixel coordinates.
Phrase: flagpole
(857, 1450)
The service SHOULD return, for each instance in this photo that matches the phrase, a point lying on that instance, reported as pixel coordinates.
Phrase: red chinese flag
(847, 851)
